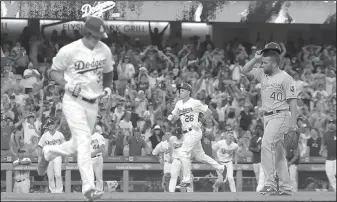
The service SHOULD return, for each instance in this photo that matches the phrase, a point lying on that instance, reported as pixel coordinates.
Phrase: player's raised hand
(258, 54)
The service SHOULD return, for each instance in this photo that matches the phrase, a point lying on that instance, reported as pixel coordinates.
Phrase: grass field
(166, 197)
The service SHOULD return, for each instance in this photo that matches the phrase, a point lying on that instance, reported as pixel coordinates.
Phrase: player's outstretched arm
(247, 69)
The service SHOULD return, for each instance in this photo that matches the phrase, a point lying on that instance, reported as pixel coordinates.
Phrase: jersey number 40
(277, 96)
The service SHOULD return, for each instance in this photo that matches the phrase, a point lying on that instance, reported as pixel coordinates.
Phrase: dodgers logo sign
(98, 9)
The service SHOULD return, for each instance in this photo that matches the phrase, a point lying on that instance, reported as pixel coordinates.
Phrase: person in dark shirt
(314, 143)
(255, 148)
(246, 119)
(156, 37)
(136, 144)
(329, 143)
(157, 135)
(293, 158)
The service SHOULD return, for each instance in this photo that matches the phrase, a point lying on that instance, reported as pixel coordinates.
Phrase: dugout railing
(146, 163)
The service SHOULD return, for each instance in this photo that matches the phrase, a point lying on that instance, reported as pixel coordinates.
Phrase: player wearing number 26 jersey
(188, 109)
(279, 101)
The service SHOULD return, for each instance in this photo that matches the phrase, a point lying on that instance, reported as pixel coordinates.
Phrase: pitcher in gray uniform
(279, 102)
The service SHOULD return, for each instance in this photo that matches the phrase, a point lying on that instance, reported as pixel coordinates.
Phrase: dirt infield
(156, 196)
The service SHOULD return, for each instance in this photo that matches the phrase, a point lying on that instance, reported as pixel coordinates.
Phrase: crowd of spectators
(144, 90)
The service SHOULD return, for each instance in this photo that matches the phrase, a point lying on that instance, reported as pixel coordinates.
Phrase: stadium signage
(99, 9)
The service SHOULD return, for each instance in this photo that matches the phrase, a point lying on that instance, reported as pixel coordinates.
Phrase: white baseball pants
(330, 170)
(192, 146)
(229, 176)
(259, 174)
(54, 175)
(293, 176)
(175, 173)
(98, 171)
(81, 118)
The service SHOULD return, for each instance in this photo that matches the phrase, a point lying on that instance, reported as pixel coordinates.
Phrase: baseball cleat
(183, 186)
(42, 165)
(93, 194)
(268, 190)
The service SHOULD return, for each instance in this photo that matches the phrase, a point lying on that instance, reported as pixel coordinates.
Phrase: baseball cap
(272, 46)
(50, 122)
(157, 127)
(253, 47)
(186, 86)
(95, 25)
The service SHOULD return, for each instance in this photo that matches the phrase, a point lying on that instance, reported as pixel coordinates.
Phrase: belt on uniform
(98, 155)
(187, 130)
(20, 180)
(91, 101)
(274, 112)
(225, 161)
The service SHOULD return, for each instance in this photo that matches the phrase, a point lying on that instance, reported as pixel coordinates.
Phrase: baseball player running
(278, 96)
(81, 68)
(53, 137)
(175, 143)
(163, 148)
(187, 110)
(97, 149)
(225, 151)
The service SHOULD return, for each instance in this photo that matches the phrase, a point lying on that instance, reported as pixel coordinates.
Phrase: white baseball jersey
(79, 63)
(97, 140)
(189, 112)
(275, 90)
(29, 131)
(162, 147)
(49, 139)
(225, 152)
(176, 144)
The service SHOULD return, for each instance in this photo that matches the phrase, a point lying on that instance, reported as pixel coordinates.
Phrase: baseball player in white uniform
(279, 102)
(175, 143)
(225, 151)
(84, 68)
(163, 149)
(97, 149)
(187, 110)
(53, 137)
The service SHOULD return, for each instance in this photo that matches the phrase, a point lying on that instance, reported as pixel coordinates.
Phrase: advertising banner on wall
(132, 29)
(262, 11)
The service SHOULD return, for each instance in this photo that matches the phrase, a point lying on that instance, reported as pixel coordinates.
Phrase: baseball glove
(291, 140)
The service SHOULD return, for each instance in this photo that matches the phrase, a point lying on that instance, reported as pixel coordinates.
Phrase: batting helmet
(272, 46)
(95, 26)
(185, 86)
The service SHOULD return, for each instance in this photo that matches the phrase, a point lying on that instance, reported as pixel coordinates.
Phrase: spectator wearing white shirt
(53, 137)
(31, 76)
(126, 127)
(31, 127)
(126, 68)
(236, 71)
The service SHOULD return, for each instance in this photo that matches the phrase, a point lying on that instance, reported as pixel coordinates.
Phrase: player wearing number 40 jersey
(187, 110)
(278, 96)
